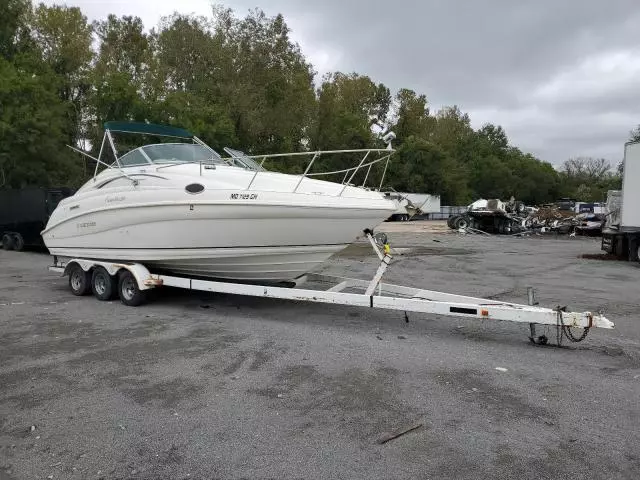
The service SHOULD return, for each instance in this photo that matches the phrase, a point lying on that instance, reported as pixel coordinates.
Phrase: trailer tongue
(132, 281)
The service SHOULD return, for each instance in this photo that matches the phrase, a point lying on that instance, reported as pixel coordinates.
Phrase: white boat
(182, 208)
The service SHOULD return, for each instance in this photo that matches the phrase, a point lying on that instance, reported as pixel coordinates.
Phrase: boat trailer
(131, 281)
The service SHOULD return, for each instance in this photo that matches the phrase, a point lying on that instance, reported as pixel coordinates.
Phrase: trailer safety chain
(565, 330)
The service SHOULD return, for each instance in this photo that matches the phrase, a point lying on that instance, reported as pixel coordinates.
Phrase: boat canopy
(148, 128)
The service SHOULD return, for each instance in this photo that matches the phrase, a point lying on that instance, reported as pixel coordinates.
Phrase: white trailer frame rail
(372, 294)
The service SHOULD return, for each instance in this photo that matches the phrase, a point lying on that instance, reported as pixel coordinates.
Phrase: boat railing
(383, 155)
(365, 158)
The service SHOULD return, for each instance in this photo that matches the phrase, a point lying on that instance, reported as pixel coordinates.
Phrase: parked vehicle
(491, 216)
(621, 235)
(24, 214)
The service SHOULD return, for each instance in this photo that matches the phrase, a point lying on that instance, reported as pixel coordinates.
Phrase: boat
(183, 208)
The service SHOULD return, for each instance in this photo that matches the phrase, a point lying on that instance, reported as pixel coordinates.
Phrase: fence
(446, 211)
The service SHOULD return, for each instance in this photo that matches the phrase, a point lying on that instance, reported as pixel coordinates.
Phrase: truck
(492, 216)
(621, 233)
(24, 214)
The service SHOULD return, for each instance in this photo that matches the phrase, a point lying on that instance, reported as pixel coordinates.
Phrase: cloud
(559, 76)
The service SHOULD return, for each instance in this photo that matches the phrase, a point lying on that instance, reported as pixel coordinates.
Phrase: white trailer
(410, 204)
(621, 235)
(131, 281)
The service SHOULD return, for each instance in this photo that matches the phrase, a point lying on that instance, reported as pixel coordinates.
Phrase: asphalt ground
(202, 386)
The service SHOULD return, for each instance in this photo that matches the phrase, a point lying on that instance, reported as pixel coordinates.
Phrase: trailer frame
(359, 293)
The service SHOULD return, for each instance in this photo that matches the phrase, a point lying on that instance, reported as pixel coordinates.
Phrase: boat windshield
(241, 159)
(181, 153)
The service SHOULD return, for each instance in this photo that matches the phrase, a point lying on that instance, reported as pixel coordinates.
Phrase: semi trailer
(621, 233)
(24, 214)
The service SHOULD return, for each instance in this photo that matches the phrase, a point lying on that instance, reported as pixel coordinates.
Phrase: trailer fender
(143, 277)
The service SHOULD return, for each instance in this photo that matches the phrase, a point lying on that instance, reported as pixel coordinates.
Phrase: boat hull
(250, 264)
(230, 242)
(281, 228)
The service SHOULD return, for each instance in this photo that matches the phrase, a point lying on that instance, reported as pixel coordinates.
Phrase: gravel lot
(215, 386)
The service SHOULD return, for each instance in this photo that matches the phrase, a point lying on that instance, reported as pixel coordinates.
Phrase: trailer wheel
(103, 285)
(79, 280)
(460, 222)
(128, 290)
(450, 221)
(7, 242)
(18, 242)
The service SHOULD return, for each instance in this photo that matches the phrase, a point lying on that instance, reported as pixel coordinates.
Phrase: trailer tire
(460, 222)
(18, 242)
(450, 221)
(128, 290)
(79, 280)
(7, 241)
(103, 285)
(633, 248)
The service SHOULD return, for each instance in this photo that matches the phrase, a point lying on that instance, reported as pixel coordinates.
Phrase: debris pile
(553, 219)
(515, 218)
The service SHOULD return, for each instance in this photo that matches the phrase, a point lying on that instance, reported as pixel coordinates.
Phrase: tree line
(240, 82)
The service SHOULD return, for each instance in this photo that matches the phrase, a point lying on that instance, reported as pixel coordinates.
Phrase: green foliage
(589, 179)
(421, 166)
(32, 139)
(413, 116)
(535, 182)
(242, 82)
(35, 120)
(119, 74)
(346, 106)
(62, 38)
(14, 32)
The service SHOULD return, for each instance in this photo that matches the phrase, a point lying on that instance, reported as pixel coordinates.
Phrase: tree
(494, 137)
(586, 168)
(32, 136)
(14, 31)
(247, 70)
(412, 117)
(33, 116)
(490, 177)
(421, 166)
(63, 38)
(120, 74)
(588, 179)
(535, 182)
(451, 130)
(347, 106)
(242, 82)
(270, 95)
(634, 135)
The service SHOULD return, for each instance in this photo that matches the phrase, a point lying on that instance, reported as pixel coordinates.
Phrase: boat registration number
(244, 196)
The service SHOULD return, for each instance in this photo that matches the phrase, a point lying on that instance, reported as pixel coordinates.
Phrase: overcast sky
(561, 76)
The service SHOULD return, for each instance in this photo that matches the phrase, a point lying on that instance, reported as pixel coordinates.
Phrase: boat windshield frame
(148, 154)
(147, 129)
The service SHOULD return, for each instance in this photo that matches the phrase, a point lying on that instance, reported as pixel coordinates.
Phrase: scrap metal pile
(514, 218)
